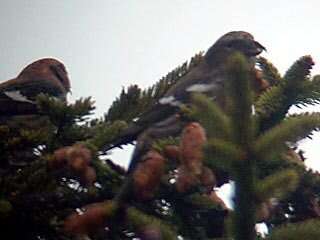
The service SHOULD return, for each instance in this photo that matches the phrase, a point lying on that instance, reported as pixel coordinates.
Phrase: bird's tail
(158, 113)
(9, 107)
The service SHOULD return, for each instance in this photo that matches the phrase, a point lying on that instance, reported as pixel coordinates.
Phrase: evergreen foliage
(134, 101)
(56, 183)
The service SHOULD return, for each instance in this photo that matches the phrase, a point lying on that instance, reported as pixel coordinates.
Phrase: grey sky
(109, 44)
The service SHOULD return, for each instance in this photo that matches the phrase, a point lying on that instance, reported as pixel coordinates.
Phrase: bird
(18, 108)
(47, 75)
(208, 77)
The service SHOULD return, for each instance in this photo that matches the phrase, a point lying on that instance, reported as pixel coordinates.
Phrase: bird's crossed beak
(259, 47)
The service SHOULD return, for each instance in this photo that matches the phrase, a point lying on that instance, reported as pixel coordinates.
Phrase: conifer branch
(277, 185)
(310, 92)
(308, 230)
(299, 71)
(133, 102)
(58, 110)
(211, 117)
(269, 71)
(222, 154)
(240, 102)
(273, 104)
(105, 132)
(240, 99)
(140, 222)
(291, 129)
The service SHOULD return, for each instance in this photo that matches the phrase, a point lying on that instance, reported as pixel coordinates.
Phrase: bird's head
(235, 41)
(49, 69)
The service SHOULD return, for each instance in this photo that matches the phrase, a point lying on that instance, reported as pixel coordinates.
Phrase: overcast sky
(110, 44)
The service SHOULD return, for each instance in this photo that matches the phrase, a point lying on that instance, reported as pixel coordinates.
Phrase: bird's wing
(17, 96)
(18, 89)
(201, 79)
(17, 99)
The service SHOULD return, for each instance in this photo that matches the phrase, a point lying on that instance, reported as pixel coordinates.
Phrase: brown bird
(47, 76)
(208, 77)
